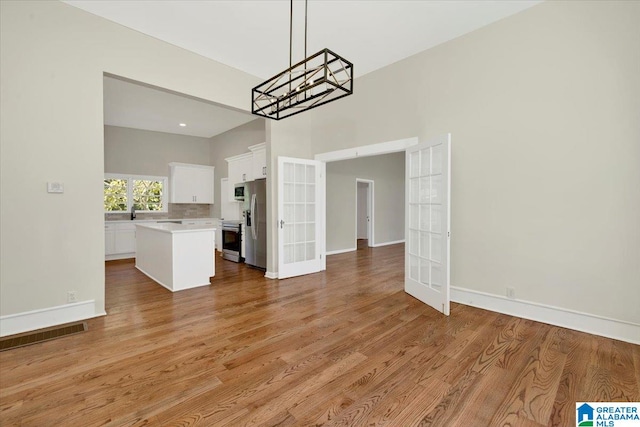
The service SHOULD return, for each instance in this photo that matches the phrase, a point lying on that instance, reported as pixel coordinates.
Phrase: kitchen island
(177, 256)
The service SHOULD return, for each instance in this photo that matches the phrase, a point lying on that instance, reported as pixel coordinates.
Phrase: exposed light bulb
(183, 125)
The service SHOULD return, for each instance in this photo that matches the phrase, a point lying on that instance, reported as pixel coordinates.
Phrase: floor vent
(29, 338)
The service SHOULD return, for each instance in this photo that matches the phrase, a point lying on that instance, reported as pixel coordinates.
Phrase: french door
(300, 216)
(427, 218)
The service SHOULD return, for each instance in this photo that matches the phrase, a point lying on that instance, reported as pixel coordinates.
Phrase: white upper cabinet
(240, 170)
(247, 167)
(191, 183)
(259, 160)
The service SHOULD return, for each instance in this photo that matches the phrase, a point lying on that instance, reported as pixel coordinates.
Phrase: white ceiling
(253, 35)
(136, 106)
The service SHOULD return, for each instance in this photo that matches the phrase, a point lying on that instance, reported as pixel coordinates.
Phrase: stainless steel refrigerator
(255, 229)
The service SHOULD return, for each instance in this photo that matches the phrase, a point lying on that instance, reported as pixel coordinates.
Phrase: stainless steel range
(232, 240)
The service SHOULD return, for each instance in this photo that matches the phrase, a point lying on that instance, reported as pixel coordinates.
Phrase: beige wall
(387, 172)
(290, 137)
(144, 152)
(52, 59)
(544, 109)
(231, 143)
(148, 153)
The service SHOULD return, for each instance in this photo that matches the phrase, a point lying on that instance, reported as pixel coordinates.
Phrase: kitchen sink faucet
(133, 213)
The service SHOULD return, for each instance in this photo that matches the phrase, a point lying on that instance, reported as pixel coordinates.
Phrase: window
(115, 195)
(144, 193)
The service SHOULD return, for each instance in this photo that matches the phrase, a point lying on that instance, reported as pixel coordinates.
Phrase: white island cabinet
(177, 256)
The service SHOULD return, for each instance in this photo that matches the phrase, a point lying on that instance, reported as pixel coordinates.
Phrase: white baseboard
(119, 256)
(271, 275)
(341, 251)
(584, 322)
(395, 242)
(37, 319)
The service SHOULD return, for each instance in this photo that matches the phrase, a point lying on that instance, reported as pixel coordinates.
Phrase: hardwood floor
(342, 347)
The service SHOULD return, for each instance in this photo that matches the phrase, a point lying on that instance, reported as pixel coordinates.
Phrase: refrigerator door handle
(254, 231)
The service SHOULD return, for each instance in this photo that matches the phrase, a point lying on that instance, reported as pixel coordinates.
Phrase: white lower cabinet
(125, 238)
(119, 240)
(198, 222)
(109, 239)
(176, 256)
(218, 225)
(120, 237)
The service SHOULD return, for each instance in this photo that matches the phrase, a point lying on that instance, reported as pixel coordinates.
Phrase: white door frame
(370, 209)
(368, 150)
(373, 150)
(353, 153)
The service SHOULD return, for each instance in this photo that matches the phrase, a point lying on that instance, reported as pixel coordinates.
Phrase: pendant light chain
(306, 2)
(318, 79)
(291, 34)
(305, 43)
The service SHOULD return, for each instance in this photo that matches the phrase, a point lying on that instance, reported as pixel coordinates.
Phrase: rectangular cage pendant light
(321, 78)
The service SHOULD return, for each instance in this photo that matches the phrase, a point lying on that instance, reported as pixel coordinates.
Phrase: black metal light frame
(321, 78)
(317, 80)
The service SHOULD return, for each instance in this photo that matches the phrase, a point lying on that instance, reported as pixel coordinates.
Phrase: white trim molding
(114, 257)
(270, 275)
(341, 251)
(584, 322)
(44, 318)
(377, 245)
(367, 150)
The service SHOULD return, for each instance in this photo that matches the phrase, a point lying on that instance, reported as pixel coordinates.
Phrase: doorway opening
(383, 163)
(364, 213)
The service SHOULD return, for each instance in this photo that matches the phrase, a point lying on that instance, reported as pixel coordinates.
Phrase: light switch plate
(55, 187)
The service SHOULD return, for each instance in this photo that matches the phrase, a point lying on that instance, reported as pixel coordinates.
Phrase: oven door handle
(254, 226)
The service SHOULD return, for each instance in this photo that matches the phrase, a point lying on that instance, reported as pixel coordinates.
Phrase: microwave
(239, 192)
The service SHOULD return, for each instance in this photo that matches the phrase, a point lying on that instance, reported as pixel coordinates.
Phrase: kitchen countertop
(137, 221)
(177, 228)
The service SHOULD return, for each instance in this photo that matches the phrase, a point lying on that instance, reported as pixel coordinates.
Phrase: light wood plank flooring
(344, 347)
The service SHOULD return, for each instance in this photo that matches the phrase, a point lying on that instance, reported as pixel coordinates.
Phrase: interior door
(427, 219)
(300, 213)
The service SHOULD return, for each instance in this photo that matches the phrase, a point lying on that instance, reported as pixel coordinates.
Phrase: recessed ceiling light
(183, 124)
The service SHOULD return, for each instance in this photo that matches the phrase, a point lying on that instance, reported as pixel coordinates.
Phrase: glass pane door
(427, 248)
(299, 227)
